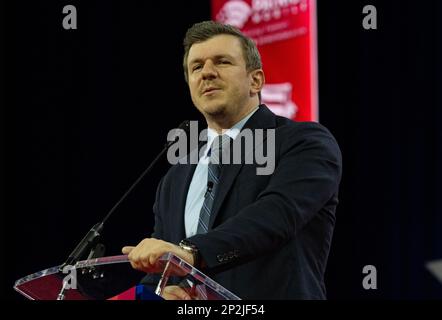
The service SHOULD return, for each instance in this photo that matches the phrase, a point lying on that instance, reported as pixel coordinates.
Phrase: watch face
(186, 245)
(192, 249)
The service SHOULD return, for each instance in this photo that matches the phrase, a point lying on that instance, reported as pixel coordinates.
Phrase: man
(260, 236)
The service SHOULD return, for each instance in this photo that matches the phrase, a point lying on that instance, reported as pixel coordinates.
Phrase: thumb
(127, 249)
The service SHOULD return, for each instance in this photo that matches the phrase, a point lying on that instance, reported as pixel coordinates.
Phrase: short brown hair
(205, 30)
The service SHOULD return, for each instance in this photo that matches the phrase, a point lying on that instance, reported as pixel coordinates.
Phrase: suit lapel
(262, 119)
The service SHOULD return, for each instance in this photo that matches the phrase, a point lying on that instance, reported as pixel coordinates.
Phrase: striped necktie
(214, 169)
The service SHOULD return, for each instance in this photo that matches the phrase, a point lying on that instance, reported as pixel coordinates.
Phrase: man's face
(219, 83)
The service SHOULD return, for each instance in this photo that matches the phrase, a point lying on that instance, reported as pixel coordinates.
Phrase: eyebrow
(216, 57)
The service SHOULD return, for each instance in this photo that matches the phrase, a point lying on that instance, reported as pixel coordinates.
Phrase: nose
(209, 70)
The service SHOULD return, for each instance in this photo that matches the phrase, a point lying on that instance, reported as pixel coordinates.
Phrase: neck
(223, 122)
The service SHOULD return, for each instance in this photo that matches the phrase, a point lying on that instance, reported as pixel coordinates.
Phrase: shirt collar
(232, 132)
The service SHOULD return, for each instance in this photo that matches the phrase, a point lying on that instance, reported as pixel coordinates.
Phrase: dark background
(88, 109)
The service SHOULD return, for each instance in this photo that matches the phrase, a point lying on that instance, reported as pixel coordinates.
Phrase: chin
(213, 109)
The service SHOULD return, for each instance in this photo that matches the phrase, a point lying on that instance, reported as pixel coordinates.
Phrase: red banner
(285, 33)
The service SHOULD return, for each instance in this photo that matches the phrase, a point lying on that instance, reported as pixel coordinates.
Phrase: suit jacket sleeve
(158, 226)
(151, 280)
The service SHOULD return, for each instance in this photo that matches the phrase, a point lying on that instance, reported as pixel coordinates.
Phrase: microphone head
(183, 129)
(185, 125)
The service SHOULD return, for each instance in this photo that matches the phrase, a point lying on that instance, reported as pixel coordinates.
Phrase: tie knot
(221, 143)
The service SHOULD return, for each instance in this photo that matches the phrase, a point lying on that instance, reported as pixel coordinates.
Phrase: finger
(167, 296)
(183, 295)
(152, 259)
(145, 265)
(175, 293)
(127, 249)
(134, 265)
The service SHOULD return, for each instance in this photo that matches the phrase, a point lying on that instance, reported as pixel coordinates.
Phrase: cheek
(242, 87)
(195, 97)
(192, 90)
(193, 85)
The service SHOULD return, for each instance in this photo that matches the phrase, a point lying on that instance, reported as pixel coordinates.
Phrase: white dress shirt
(198, 185)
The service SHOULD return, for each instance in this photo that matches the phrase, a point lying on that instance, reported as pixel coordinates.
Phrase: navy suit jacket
(269, 235)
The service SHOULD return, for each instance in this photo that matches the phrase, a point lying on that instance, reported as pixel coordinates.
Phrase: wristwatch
(191, 248)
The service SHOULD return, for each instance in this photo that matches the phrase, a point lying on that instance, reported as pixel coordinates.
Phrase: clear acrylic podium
(112, 278)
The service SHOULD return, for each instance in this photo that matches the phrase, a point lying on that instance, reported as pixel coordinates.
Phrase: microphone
(209, 188)
(92, 237)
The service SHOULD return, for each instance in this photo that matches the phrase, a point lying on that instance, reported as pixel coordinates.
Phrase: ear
(257, 79)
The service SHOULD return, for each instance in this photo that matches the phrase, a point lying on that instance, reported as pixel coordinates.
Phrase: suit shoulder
(305, 137)
(302, 129)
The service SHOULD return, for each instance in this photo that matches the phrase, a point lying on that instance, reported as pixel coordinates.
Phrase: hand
(145, 255)
(175, 293)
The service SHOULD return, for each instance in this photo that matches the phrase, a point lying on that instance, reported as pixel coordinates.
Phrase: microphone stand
(90, 240)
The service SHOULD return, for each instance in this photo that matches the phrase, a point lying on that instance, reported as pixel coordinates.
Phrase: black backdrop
(88, 109)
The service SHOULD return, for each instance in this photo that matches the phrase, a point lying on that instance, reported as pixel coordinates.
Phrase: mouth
(210, 90)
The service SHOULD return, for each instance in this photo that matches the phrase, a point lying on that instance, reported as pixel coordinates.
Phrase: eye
(196, 67)
(224, 61)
